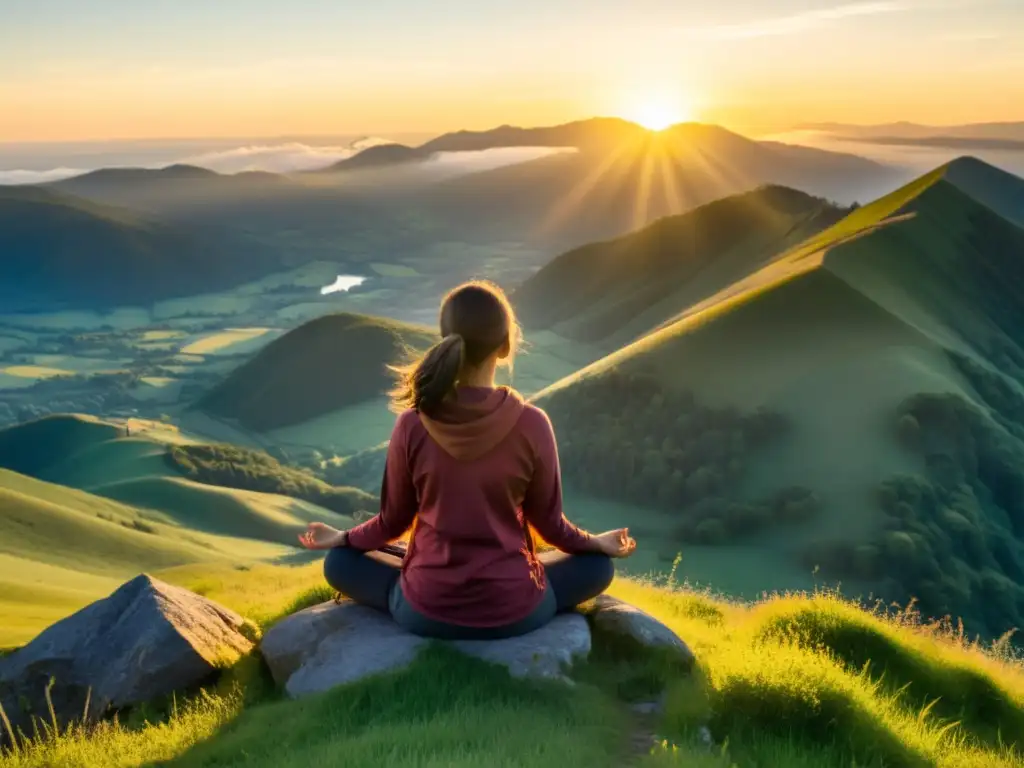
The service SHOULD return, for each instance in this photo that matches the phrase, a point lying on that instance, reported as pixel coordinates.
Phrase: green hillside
(61, 249)
(216, 489)
(61, 548)
(791, 681)
(265, 517)
(332, 362)
(614, 291)
(31, 447)
(848, 409)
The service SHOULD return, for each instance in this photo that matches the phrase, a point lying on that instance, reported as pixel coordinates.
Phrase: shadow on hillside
(298, 557)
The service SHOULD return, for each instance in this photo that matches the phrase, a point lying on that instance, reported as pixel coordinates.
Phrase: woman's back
(472, 475)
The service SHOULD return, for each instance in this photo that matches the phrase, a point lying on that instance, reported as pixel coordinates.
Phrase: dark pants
(371, 579)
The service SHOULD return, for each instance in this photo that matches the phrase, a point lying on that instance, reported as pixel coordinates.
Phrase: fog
(919, 158)
(40, 163)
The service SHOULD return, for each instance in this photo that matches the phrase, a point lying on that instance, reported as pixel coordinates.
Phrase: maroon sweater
(468, 480)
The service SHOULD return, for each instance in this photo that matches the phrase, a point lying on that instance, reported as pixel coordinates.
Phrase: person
(470, 468)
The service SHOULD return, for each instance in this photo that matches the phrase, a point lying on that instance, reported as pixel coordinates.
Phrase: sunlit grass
(792, 681)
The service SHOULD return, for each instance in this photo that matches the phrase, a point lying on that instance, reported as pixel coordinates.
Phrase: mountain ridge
(906, 311)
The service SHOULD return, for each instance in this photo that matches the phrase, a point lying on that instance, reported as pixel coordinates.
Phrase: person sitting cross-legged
(470, 468)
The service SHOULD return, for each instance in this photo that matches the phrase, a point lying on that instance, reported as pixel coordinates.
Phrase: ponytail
(425, 383)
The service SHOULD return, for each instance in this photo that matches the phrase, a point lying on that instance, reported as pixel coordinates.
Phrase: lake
(343, 283)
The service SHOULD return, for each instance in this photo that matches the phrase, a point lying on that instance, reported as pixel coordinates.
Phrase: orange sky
(127, 70)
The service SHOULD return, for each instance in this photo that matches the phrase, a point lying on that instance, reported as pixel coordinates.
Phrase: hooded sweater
(469, 481)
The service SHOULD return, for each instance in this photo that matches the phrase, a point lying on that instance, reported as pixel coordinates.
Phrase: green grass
(61, 548)
(783, 683)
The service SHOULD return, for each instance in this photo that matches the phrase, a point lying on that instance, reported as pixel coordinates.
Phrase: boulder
(614, 616)
(332, 644)
(144, 641)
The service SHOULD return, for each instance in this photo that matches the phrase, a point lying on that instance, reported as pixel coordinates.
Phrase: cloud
(18, 176)
(794, 23)
(275, 158)
(487, 159)
(286, 157)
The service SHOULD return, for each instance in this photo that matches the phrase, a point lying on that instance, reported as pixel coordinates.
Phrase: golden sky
(71, 70)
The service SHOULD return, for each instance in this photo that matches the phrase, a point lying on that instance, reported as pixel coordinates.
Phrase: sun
(658, 110)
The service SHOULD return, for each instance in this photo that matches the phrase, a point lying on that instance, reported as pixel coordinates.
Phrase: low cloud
(486, 159)
(794, 23)
(275, 158)
(288, 157)
(38, 177)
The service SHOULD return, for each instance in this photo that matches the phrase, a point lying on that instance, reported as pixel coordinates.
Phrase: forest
(953, 538)
(234, 467)
(626, 437)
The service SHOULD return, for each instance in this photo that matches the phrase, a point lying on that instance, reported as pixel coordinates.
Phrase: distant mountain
(593, 134)
(324, 365)
(611, 292)
(854, 405)
(60, 249)
(1009, 131)
(149, 188)
(614, 178)
(570, 198)
(940, 141)
(380, 155)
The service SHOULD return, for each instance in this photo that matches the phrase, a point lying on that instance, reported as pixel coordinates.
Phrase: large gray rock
(332, 644)
(145, 640)
(615, 616)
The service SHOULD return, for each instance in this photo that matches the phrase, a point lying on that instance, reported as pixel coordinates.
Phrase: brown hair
(476, 320)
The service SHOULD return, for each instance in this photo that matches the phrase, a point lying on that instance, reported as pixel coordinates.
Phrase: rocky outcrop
(332, 644)
(144, 641)
(614, 616)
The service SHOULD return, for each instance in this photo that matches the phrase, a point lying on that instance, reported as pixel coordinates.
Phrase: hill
(332, 362)
(380, 155)
(796, 682)
(61, 548)
(219, 490)
(60, 249)
(852, 408)
(127, 185)
(613, 291)
(568, 198)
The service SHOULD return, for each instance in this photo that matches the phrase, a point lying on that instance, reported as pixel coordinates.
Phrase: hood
(474, 421)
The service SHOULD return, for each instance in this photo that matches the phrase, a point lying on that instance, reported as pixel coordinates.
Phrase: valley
(732, 381)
